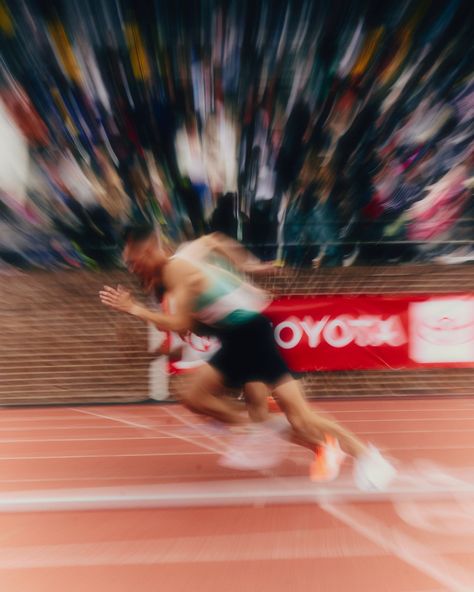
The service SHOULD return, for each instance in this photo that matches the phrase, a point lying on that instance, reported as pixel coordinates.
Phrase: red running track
(230, 531)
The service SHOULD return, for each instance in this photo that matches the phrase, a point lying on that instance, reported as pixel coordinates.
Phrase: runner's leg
(309, 426)
(255, 394)
(202, 397)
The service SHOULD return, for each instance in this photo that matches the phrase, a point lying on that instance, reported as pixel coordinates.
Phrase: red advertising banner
(370, 332)
(356, 333)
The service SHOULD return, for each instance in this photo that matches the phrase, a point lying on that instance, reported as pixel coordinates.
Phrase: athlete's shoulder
(180, 273)
(196, 249)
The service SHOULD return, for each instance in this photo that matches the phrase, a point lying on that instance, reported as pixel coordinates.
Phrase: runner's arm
(237, 254)
(122, 300)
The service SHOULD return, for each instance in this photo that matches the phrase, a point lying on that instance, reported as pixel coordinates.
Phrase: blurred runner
(226, 305)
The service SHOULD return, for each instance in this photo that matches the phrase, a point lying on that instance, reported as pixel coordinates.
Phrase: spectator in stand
(224, 217)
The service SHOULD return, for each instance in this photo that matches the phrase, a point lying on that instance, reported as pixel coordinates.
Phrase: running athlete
(231, 308)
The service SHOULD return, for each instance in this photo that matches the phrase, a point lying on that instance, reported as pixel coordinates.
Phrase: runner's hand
(260, 268)
(119, 299)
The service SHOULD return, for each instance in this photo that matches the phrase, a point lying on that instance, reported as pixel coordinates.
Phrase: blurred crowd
(319, 133)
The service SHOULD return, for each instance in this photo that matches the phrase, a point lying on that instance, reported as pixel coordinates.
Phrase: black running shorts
(249, 354)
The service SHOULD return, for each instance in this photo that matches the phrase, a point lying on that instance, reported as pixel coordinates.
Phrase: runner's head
(142, 253)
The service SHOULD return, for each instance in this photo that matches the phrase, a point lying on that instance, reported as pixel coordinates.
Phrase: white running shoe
(242, 461)
(277, 423)
(258, 450)
(372, 472)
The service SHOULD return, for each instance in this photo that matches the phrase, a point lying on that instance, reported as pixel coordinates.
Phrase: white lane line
(127, 422)
(387, 448)
(407, 549)
(118, 439)
(408, 419)
(243, 491)
(453, 518)
(316, 407)
(219, 446)
(201, 434)
(84, 425)
(148, 427)
(144, 455)
(40, 418)
(151, 478)
(430, 447)
(213, 450)
(432, 431)
(65, 427)
(322, 406)
(55, 418)
(197, 432)
(181, 418)
(429, 471)
(65, 456)
(93, 439)
(421, 407)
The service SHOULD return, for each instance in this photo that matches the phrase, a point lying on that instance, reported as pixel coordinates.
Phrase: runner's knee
(193, 400)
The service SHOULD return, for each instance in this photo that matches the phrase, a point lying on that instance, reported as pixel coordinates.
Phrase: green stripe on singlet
(222, 283)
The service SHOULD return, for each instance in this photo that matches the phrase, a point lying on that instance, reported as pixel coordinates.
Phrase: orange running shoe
(273, 406)
(327, 462)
